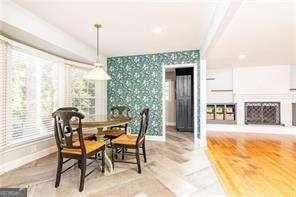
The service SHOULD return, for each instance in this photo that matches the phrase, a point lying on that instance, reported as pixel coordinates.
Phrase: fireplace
(264, 113)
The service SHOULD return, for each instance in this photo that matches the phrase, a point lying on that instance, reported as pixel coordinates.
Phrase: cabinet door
(184, 103)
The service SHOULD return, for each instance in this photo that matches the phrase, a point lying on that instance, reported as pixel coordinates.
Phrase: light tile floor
(174, 168)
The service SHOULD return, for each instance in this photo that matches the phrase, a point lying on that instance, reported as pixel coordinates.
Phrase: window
(34, 84)
(32, 96)
(83, 93)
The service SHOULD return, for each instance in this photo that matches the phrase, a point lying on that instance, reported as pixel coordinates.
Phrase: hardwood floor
(174, 168)
(254, 164)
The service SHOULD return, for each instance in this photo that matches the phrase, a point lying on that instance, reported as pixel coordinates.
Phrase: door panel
(184, 100)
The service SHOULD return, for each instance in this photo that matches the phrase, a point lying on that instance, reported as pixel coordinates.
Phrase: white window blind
(2, 93)
(32, 96)
(34, 84)
(81, 92)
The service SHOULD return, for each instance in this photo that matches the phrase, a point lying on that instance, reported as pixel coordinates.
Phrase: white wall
(262, 80)
(21, 155)
(262, 83)
(266, 83)
(219, 79)
(293, 77)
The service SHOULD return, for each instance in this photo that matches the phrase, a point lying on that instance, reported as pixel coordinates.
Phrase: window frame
(63, 87)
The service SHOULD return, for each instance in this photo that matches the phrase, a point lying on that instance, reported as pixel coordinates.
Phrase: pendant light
(97, 73)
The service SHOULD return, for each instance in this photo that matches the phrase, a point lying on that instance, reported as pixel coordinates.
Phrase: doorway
(179, 94)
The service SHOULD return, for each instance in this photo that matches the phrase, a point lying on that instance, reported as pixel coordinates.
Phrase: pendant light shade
(97, 73)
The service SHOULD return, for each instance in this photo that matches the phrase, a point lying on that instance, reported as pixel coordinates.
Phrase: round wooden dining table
(101, 122)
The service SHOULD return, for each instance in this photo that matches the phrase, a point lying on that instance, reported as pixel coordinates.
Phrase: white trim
(26, 159)
(171, 123)
(195, 99)
(39, 53)
(155, 138)
(203, 102)
(194, 66)
(163, 102)
(265, 129)
(224, 12)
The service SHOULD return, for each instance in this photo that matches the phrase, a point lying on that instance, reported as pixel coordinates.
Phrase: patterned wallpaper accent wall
(137, 82)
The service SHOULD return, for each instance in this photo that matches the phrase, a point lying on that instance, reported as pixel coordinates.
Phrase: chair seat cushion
(114, 133)
(90, 146)
(126, 140)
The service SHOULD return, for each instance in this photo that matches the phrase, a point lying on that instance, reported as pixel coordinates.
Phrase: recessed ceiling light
(242, 56)
(157, 30)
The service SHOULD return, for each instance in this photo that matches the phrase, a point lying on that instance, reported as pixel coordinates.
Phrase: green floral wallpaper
(137, 82)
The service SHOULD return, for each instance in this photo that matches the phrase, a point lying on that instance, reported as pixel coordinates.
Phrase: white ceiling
(127, 25)
(264, 31)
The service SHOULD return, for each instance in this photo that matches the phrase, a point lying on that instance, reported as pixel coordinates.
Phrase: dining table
(100, 123)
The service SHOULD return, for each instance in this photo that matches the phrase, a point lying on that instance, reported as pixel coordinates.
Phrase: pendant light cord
(97, 63)
(97, 42)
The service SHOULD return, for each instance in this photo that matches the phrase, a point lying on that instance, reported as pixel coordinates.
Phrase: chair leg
(82, 176)
(125, 128)
(59, 170)
(79, 164)
(103, 160)
(144, 151)
(116, 151)
(138, 160)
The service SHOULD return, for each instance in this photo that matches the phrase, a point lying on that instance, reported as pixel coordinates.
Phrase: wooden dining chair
(132, 142)
(69, 149)
(116, 131)
(86, 136)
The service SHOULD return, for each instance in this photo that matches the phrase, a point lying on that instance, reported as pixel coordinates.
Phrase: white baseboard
(26, 159)
(155, 138)
(170, 123)
(200, 143)
(267, 129)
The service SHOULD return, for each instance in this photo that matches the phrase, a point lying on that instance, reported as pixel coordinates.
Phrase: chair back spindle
(64, 131)
(120, 111)
(144, 124)
(65, 109)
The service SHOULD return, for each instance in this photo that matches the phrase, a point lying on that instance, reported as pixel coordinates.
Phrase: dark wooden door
(184, 99)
